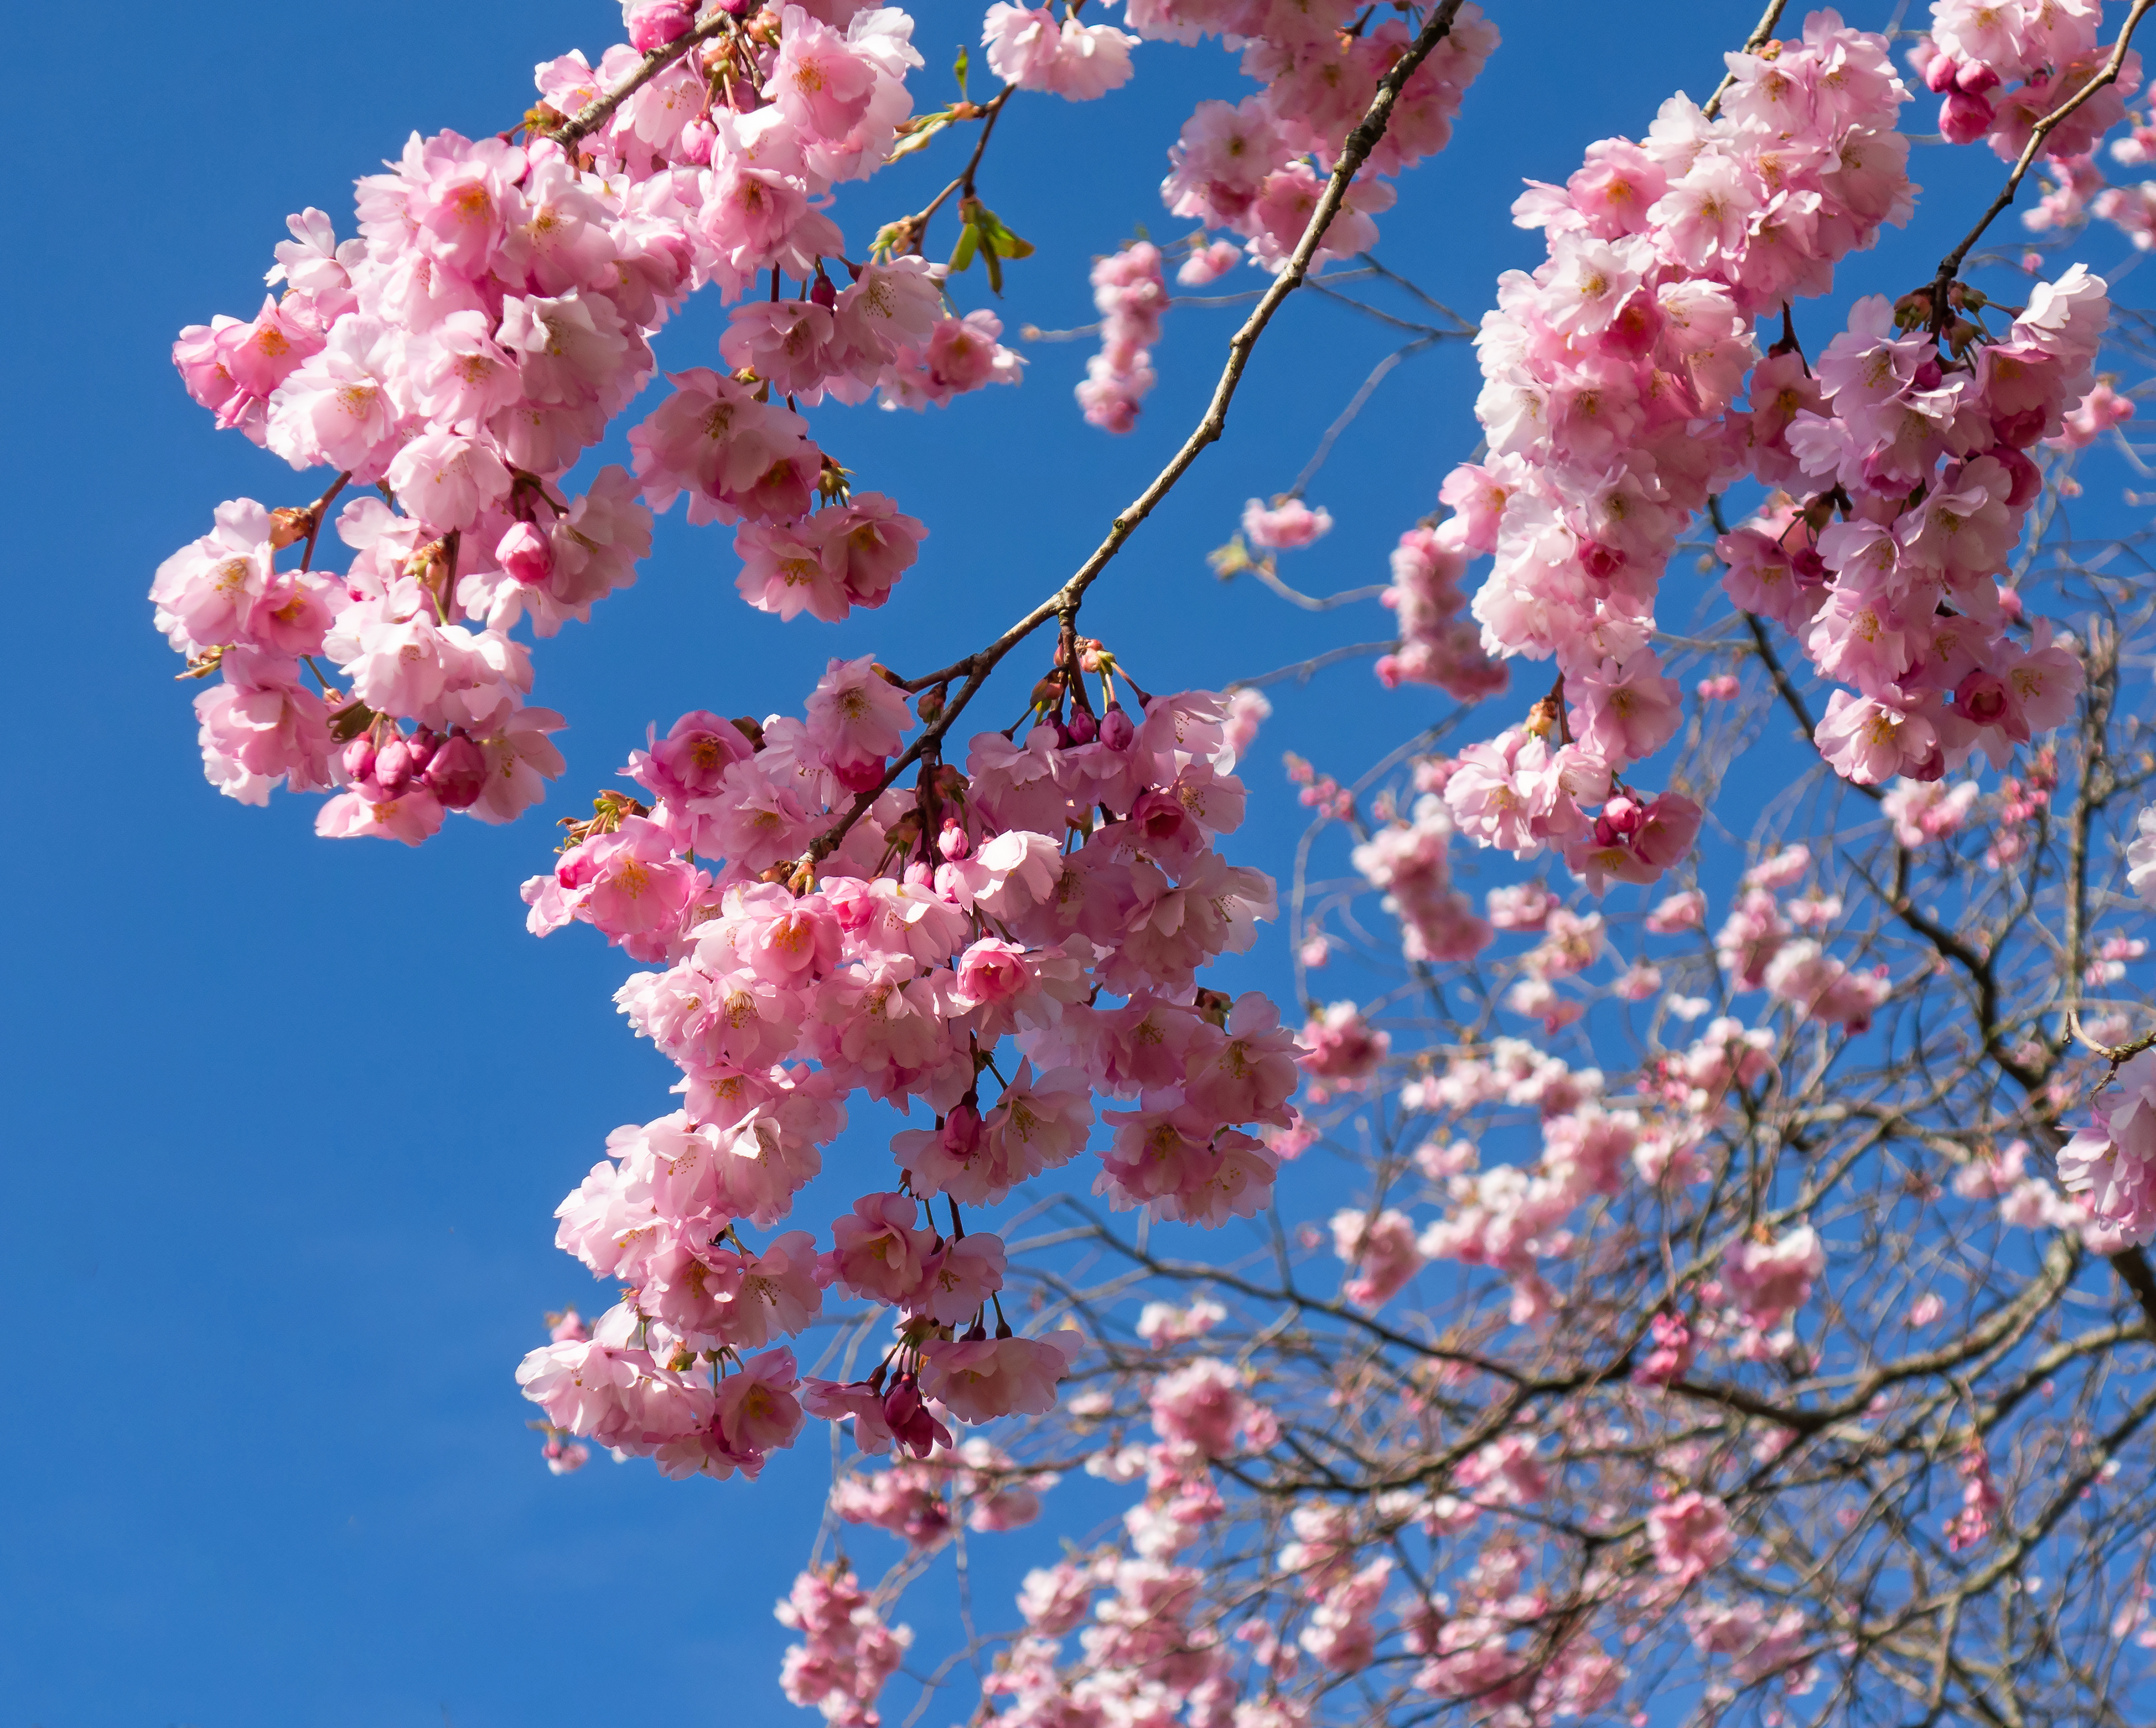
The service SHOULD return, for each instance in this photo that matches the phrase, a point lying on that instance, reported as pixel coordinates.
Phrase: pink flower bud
(1083, 728)
(359, 758)
(863, 776)
(653, 23)
(953, 842)
(1117, 730)
(1975, 77)
(393, 770)
(1964, 118)
(911, 1425)
(525, 553)
(962, 1130)
(1940, 72)
(821, 292)
(457, 775)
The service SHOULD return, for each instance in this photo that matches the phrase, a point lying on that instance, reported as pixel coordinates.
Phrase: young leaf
(959, 67)
(969, 239)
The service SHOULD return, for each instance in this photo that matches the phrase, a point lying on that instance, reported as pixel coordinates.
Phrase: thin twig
(1303, 670)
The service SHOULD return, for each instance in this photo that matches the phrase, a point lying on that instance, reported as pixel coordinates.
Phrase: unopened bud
(953, 842)
(290, 525)
(821, 292)
(392, 768)
(1048, 693)
(864, 775)
(525, 554)
(1083, 728)
(929, 706)
(962, 1130)
(457, 775)
(1117, 731)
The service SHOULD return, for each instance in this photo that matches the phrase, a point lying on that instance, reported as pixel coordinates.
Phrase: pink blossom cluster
(1381, 1251)
(922, 1499)
(848, 1653)
(1409, 861)
(1911, 453)
(1254, 167)
(1028, 48)
(463, 353)
(1438, 644)
(949, 919)
(1609, 379)
(2002, 65)
(1131, 295)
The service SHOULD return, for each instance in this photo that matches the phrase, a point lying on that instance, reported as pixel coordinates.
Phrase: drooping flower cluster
(1437, 646)
(848, 1653)
(1247, 167)
(1610, 375)
(2111, 1164)
(1028, 48)
(1131, 295)
(949, 922)
(477, 338)
(1911, 454)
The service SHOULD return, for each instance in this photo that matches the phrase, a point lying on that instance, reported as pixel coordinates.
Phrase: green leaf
(969, 239)
(1006, 243)
(959, 67)
(995, 271)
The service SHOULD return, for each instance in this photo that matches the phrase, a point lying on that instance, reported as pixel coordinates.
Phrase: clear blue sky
(287, 1119)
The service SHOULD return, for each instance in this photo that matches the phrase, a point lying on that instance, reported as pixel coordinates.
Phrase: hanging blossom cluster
(2002, 65)
(1610, 375)
(463, 353)
(1247, 167)
(1002, 943)
(1910, 446)
(950, 941)
(1131, 294)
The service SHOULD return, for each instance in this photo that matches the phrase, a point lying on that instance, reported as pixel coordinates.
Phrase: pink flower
(756, 1409)
(982, 1380)
(1201, 1405)
(1381, 1250)
(855, 717)
(881, 1252)
(1289, 522)
(1338, 1045)
(1685, 910)
(1209, 263)
(820, 82)
(2111, 1164)
(446, 481)
(958, 1279)
(1774, 1279)
(1689, 1536)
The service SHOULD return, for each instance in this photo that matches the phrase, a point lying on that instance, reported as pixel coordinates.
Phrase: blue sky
(288, 1119)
